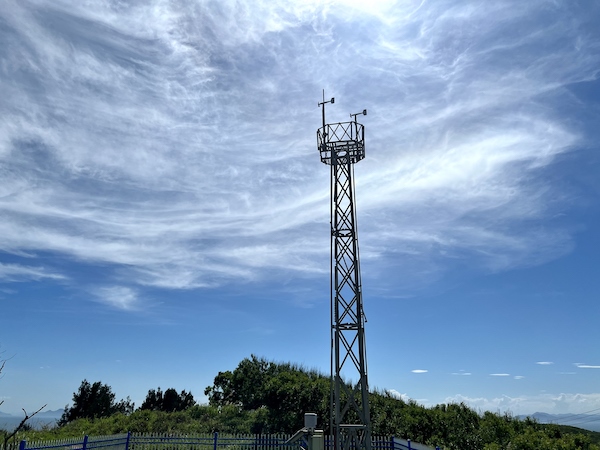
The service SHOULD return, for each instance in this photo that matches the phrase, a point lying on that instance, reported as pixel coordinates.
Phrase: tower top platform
(341, 143)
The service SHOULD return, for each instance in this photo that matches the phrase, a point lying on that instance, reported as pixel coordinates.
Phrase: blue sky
(165, 213)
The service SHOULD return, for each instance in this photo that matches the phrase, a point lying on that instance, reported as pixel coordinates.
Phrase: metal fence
(136, 441)
(115, 442)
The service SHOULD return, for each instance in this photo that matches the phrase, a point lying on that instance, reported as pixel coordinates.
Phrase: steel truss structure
(341, 145)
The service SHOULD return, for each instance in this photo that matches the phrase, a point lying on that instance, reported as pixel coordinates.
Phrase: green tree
(92, 401)
(245, 386)
(279, 393)
(455, 426)
(169, 401)
(291, 394)
(496, 429)
(221, 392)
(549, 437)
(153, 400)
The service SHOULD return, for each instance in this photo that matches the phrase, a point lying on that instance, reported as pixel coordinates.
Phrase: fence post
(215, 438)
(127, 441)
(85, 440)
(22, 444)
(408, 440)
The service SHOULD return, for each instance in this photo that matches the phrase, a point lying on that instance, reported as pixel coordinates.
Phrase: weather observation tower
(341, 145)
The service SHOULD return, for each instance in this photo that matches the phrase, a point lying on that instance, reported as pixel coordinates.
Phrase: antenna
(322, 105)
(341, 145)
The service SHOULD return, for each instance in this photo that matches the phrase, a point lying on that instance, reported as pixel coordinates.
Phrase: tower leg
(350, 416)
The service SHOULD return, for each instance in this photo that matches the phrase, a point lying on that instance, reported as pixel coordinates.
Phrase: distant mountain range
(56, 414)
(44, 418)
(586, 421)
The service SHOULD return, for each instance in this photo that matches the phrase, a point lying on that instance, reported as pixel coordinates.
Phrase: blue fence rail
(115, 442)
(135, 441)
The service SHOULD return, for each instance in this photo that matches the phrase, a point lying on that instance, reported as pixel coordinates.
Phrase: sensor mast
(341, 145)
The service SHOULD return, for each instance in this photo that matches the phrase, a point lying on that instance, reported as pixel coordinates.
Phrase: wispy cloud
(462, 373)
(419, 371)
(18, 272)
(174, 142)
(544, 363)
(586, 366)
(499, 374)
(118, 297)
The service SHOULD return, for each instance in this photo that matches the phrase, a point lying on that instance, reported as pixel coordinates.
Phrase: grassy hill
(261, 396)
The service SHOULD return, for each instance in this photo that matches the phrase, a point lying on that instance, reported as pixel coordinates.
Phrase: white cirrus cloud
(419, 371)
(586, 366)
(499, 374)
(19, 272)
(173, 142)
(118, 297)
(544, 363)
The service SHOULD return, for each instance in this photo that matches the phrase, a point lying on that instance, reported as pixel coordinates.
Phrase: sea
(9, 423)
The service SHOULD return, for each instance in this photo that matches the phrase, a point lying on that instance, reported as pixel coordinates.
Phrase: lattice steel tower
(341, 145)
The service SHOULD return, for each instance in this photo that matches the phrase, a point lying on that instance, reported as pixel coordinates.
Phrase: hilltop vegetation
(260, 396)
